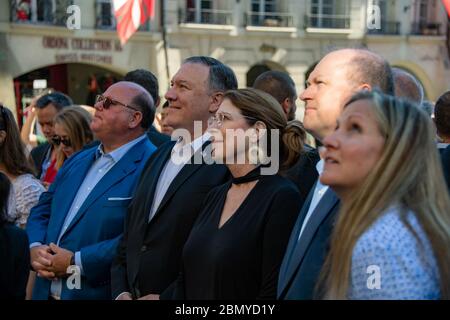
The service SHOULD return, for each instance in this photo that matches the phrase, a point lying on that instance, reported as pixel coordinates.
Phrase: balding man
(338, 76)
(79, 221)
(407, 86)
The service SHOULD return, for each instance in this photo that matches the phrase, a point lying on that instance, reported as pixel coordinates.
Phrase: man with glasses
(170, 193)
(44, 155)
(76, 226)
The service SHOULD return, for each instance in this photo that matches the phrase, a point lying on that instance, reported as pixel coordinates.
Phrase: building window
(40, 11)
(105, 15)
(203, 11)
(329, 14)
(425, 19)
(266, 13)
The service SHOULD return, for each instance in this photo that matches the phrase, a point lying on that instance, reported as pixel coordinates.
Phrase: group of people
(134, 215)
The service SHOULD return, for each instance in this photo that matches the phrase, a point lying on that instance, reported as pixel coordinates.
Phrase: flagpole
(164, 38)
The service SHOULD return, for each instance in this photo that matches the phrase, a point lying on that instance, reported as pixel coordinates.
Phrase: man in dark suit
(281, 86)
(173, 185)
(149, 82)
(333, 81)
(79, 221)
(47, 107)
(442, 122)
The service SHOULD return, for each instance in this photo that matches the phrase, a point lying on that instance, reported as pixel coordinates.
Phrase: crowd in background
(358, 209)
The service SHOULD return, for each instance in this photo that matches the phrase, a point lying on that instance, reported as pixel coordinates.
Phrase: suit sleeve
(97, 260)
(39, 218)
(281, 218)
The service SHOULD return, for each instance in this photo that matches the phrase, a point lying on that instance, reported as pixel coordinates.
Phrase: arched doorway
(262, 67)
(80, 81)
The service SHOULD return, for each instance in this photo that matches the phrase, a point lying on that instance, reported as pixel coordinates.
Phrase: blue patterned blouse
(388, 261)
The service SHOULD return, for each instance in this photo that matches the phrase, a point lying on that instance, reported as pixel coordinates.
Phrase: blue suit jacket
(304, 258)
(96, 229)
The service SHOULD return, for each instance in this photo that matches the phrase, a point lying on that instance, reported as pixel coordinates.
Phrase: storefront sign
(78, 45)
(81, 44)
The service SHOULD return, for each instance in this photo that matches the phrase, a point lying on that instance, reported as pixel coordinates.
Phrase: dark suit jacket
(38, 155)
(304, 173)
(304, 258)
(156, 137)
(445, 158)
(15, 262)
(149, 255)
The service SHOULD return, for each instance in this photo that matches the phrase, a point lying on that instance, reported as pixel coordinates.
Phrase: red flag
(130, 14)
(447, 6)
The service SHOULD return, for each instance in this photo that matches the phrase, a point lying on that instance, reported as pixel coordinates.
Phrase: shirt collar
(194, 145)
(319, 166)
(118, 153)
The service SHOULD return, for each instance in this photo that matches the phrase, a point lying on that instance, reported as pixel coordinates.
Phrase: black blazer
(15, 262)
(38, 155)
(304, 258)
(156, 137)
(149, 254)
(304, 173)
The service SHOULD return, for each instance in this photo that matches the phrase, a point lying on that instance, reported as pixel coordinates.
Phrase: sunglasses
(57, 140)
(106, 103)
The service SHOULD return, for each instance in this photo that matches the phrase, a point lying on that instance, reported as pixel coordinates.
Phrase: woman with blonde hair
(237, 243)
(392, 236)
(72, 132)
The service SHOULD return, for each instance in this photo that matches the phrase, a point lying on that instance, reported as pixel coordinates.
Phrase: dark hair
(12, 149)
(442, 114)
(58, 99)
(261, 106)
(147, 107)
(368, 67)
(276, 83)
(5, 189)
(145, 79)
(221, 77)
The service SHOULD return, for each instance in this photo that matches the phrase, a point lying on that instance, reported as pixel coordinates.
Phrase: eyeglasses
(57, 140)
(107, 102)
(219, 118)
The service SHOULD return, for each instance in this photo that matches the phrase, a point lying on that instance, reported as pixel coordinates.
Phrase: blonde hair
(261, 106)
(75, 121)
(409, 173)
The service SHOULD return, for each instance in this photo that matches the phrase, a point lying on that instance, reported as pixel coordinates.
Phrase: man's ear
(135, 120)
(216, 100)
(286, 105)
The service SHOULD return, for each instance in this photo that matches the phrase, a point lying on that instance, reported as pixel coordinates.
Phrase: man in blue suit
(338, 76)
(75, 228)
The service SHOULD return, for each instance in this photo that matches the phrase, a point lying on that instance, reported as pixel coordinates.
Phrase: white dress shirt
(319, 191)
(181, 155)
